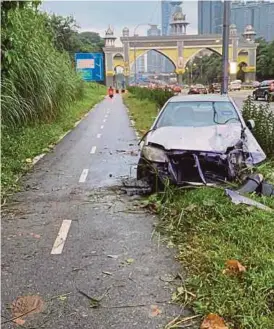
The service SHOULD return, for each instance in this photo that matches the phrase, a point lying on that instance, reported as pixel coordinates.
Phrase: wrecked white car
(198, 140)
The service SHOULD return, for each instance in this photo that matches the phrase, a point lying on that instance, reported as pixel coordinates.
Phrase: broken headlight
(154, 154)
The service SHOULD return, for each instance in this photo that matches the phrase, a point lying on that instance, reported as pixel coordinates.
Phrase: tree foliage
(67, 38)
(204, 69)
(265, 59)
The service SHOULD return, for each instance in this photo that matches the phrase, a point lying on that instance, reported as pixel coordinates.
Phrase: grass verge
(208, 230)
(19, 146)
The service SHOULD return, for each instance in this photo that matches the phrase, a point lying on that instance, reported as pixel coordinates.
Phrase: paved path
(69, 191)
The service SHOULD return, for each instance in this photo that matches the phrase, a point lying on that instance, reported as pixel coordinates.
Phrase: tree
(67, 38)
(265, 59)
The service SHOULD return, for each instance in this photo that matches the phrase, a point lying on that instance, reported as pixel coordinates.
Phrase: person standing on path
(110, 92)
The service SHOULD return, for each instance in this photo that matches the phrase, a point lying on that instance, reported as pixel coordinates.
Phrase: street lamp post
(225, 55)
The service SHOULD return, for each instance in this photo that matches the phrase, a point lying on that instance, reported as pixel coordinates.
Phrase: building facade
(167, 10)
(154, 59)
(259, 14)
(210, 15)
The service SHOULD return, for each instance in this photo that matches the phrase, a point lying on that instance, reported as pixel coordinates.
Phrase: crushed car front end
(187, 167)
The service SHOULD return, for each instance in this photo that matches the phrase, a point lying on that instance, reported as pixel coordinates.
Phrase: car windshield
(197, 114)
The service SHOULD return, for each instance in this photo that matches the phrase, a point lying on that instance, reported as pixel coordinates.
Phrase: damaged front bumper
(199, 168)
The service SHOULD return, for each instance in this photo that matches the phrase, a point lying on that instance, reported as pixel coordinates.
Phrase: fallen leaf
(19, 321)
(130, 260)
(213, 321)
(155, 310)
(234, 267)
(36, 236)
(28, 160)
(62, 298)
(24, 306)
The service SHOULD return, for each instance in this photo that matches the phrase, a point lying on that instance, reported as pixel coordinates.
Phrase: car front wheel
(255, 97)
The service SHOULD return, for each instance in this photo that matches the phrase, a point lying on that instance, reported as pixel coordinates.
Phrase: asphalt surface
(109, 251)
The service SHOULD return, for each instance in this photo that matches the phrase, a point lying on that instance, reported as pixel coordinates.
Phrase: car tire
(144, 173)
(266, 97)
(255, 97)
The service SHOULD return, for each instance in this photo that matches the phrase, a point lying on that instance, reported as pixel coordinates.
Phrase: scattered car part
(237, 198)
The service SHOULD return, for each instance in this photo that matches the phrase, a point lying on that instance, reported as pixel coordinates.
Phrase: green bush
(40, 81)
(263, 117)
(159, 96)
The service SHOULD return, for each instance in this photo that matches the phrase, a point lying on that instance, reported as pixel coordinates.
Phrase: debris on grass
(213, 321)
(234, 267)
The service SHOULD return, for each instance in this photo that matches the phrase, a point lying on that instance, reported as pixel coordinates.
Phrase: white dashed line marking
(106, 116)
(93, 149)
(104, 120)
(99, 135)
(83, 176)
(102, 127)
(61, 238)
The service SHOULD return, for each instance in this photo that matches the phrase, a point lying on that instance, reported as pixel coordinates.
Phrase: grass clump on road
(21, 144)
(208, 230)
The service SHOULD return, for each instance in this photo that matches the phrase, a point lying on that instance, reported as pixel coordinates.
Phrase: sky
(97, 15)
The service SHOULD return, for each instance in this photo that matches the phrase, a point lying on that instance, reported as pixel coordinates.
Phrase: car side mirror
(250, 124)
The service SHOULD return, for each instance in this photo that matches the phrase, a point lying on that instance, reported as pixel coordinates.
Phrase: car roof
(200, 98)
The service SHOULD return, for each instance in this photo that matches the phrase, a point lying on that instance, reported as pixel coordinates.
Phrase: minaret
(109, 38)
(178, 23)
(249, 33)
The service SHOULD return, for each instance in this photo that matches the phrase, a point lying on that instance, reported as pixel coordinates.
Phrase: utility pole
(225, 56)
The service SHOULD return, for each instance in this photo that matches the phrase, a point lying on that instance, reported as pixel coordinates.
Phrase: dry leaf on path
(213, 321)
(130, 260)
(234, 267)
(25, 306)
(155, 310)
(36, 236)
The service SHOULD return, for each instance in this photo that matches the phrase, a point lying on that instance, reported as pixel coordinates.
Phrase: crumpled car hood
(215, 138)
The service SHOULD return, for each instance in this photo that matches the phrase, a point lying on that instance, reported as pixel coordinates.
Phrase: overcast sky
(97, 15)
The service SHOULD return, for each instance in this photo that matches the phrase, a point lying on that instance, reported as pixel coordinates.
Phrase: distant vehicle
(197, 89)
(255, 84)
(177, 89)
(217, 87)
(265, 91)
(235, 85)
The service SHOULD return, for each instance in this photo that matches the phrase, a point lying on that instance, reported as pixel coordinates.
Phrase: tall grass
(263, 117)
(40, 81)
